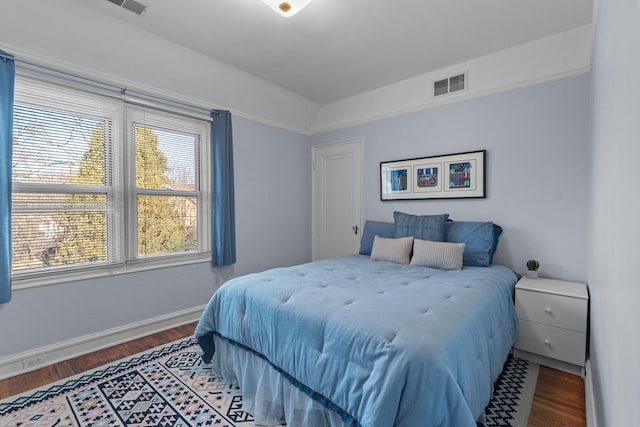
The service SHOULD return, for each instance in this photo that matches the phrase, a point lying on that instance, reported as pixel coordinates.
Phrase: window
(165, 152)
(101, 185)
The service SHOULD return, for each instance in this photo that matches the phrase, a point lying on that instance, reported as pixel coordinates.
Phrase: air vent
(131, 5)
(450, 85)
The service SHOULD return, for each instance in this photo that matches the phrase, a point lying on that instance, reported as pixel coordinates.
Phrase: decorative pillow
(394, 250)
(481, 239)
(425, 227)
(441, 255)
(372, 229)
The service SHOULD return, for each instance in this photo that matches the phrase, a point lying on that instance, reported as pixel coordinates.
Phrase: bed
(361, 341)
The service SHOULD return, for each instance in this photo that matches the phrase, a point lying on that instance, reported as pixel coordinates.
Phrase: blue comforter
(388, 344)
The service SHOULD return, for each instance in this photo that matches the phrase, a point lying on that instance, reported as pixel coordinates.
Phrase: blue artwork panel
(460, 175)
(427, 177)
(399, 180)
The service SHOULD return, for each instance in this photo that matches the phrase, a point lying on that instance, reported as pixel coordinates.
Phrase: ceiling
(334, 49)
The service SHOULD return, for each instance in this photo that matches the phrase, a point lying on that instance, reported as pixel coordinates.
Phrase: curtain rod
(140, 98)
(38, 71)
(7, 56)
(168, 106)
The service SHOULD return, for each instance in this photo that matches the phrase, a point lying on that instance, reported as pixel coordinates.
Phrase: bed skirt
(266, 394)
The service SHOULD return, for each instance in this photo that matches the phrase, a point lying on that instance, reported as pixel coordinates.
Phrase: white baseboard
(549, 362)
(31, 360)
(592, 420)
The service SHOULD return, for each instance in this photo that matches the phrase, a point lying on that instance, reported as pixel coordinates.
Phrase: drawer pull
(547, 310)
(547, 342)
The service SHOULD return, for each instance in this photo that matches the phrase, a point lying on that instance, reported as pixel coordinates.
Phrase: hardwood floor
(558, 401)
(49, 374)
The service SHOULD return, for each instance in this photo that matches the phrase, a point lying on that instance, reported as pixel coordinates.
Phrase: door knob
(355, 229)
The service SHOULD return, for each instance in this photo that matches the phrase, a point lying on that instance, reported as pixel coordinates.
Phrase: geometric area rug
(512, 395)
(171, 386)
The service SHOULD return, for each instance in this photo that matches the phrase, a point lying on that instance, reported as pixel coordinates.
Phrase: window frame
(136, 114)
(122, 223)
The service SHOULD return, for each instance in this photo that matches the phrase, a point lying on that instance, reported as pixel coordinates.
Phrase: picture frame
(451, 176)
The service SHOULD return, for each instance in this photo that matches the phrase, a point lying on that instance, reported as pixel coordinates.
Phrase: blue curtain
(7, 73)
(224, 212)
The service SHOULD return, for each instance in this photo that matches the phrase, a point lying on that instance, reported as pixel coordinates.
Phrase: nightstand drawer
(555, 310)
(557, 343)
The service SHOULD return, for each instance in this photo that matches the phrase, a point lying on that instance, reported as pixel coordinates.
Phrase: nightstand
(552, 316)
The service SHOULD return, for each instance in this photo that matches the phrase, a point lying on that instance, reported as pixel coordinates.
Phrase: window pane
(57, 229)
(55, 147)
(166, 224)
(165, 159)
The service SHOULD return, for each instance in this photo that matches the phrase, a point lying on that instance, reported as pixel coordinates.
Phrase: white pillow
(441, 255)
(394, 250)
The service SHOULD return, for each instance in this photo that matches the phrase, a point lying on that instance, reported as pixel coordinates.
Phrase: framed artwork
(453, 176)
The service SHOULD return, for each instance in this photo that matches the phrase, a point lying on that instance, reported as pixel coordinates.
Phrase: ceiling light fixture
(287, 7)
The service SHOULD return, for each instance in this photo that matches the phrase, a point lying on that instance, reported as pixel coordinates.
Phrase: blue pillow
(497, 231)
(371, 229)
(425, 227)
(480, 238)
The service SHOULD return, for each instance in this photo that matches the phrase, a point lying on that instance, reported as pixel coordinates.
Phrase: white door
(337, 199)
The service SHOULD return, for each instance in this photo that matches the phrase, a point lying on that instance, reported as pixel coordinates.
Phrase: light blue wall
(538, 166)
(273, 215)
(615, 207)
(272, 230)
